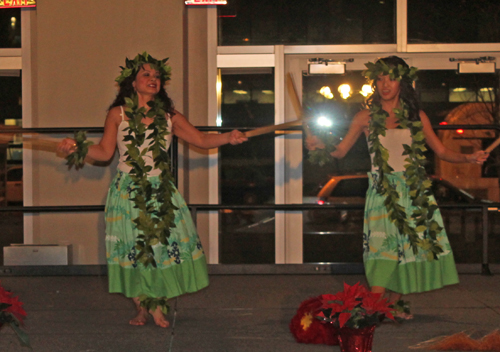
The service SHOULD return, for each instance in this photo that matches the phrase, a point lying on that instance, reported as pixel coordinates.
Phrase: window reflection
(295, 22)
(10, 28)
(336, 235)
(246, 171)
(453, 21)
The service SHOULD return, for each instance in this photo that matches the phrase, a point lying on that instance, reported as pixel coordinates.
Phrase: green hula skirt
(181, 265)
(388, 259)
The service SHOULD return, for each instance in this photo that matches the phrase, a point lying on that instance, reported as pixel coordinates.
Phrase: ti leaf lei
(77, 158)
(156, 211)
(416, 179)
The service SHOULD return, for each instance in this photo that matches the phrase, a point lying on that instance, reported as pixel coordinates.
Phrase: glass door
(332, 100)
(247, 171)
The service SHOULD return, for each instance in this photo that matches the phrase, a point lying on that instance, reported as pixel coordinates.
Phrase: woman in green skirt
(406, 249)
(152, 247)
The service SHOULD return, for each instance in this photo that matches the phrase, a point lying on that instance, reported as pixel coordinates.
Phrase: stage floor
(235, 313)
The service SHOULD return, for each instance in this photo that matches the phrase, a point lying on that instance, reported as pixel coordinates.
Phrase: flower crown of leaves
(396, 73)
(133, 66)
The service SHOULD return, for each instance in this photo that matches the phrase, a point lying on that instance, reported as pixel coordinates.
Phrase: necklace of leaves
(156, 211)
(416, 179)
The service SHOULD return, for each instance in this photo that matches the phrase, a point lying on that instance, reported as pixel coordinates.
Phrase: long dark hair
(127, 90)
(407, 92)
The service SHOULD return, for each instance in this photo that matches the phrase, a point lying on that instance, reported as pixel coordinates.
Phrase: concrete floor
(235, 313)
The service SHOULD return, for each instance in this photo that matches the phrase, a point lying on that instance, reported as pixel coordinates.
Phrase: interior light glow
(218, 121)
(321, 202)
(324, 122)
(461, 89)
(326, 92)
(345, 90)
(486, 89)
(366, 90)
(443, 123)
(238, 91)
(460, 131)
(269, 92)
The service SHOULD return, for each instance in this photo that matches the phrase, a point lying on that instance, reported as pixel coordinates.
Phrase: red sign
(205, 2)
(9, 4)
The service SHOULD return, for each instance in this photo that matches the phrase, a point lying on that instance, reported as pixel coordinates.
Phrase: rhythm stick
(296, 102)
(493, 145)
(272, 128)
(34, 142)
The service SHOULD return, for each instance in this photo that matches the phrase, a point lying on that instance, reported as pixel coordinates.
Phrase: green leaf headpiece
(133, 66)
(398, 73)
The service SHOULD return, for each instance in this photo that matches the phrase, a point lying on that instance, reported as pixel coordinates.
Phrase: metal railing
(196, 208)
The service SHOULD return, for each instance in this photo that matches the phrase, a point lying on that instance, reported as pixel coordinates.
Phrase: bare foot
(142, 314)
(403, 316)
(159, 318)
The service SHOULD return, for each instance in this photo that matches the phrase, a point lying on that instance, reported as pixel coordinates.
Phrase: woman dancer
(406, 249)
(153, 250)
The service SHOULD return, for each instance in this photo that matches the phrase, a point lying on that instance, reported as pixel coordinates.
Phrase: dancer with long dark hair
(152, 247)
(406, 249)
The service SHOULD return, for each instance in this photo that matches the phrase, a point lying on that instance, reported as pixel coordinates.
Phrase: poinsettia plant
(355, 307)
(12, 313)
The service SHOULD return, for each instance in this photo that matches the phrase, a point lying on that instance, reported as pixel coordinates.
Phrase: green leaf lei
(77, 158)
(416, 179)
(133, 66)
(152, 303)
(156, 211)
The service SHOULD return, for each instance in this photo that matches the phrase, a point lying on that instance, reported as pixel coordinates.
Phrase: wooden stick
(493, 145)
(272, 128)
(33, 142)
(294, 97)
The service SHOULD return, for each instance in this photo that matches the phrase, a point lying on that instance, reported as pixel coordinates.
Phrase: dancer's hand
(313, 143)
(237, 137)
(66, 146)
(478, 157)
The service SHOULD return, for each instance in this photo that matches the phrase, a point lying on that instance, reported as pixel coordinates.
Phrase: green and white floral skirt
(389, 261)
(181, 265)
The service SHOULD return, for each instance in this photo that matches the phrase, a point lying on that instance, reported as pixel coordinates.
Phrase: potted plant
(355, 311)
(12, 313)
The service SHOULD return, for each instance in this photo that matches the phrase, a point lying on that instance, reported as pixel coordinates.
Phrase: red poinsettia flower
(354, 307)
(373, 304)
(343, 318)
(15, 306)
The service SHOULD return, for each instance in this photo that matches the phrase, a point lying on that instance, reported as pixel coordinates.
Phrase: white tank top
(122, 146)
(393, 141)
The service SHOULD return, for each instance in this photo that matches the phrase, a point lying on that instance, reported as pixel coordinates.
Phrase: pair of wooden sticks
(44, 144)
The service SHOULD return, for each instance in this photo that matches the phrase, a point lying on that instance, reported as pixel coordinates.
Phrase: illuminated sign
(9, 4)
(205, 2)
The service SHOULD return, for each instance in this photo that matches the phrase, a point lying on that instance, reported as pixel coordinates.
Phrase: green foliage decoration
(416, 178)
(156, 211)
(322, 156)
(133, 66)
(395, 73)
(152, 303)
(77, 158)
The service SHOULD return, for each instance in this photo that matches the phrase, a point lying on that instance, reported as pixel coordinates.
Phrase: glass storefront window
(336, 235)
(298, 22)
(10, 28)
(246, 171)
(453, 21)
